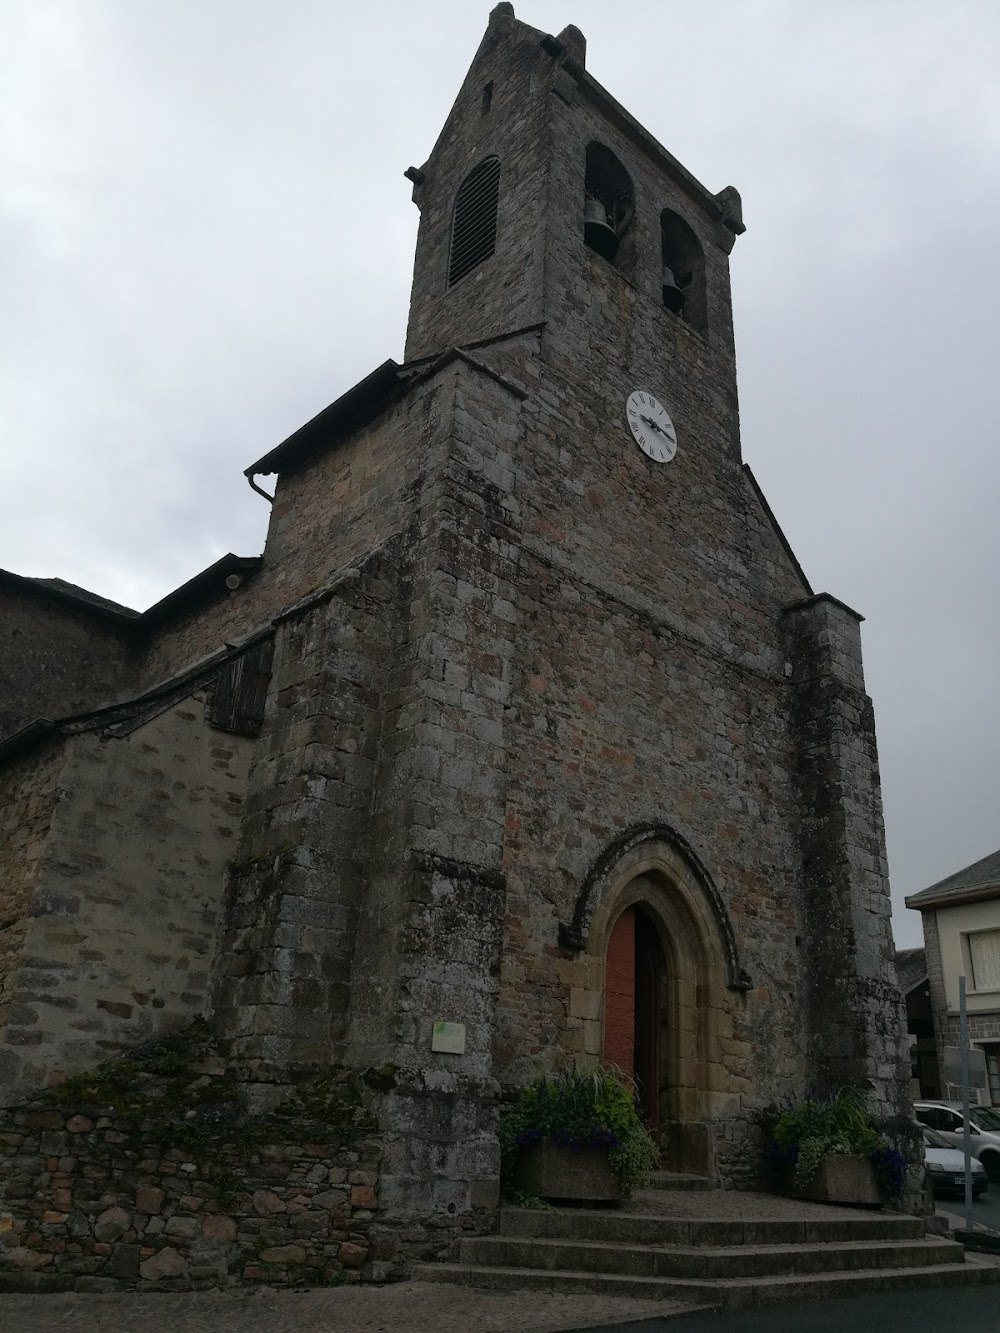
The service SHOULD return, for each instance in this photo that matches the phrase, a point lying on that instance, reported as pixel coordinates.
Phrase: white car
(984, 1127)
(945, 1167)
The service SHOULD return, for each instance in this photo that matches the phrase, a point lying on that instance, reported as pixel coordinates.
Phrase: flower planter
(552, 1171)
(841, 1179)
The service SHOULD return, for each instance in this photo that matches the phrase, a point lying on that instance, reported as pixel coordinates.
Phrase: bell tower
(479, 263)
(672, 676)
(545, 202)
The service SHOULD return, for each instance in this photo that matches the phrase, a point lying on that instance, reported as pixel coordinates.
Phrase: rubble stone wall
(129, 838)
(28, 787)
(81, 1211)
(150, 1170)
(56, 660)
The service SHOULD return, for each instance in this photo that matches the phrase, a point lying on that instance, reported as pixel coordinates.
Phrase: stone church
(524, 743)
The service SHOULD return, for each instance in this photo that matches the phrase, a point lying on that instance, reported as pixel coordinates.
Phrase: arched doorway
(688, 986)
(634, 986)
(666, 1021)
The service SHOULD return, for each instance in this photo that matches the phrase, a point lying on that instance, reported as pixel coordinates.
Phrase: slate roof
(82, 594)
(979, 880)
(203, 586)
(911, 968)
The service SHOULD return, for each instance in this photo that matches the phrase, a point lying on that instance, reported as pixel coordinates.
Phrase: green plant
(596, 1109)
(806, 1130)
(226, 1185)
(160, 1093)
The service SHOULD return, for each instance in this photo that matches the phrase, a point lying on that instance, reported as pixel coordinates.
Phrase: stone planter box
(842, 1179)
(554, 1172)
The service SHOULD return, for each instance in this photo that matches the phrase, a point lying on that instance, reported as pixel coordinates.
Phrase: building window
(474, 223)
(984, 959)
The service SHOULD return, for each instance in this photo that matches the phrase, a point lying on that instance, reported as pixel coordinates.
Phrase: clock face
(649, 421)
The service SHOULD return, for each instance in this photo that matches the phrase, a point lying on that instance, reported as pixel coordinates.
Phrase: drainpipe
(254, 486)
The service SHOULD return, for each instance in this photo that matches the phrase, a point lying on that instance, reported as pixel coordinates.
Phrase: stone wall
(328, 510)
(56, 658)
(434, 916)
(146, 1175)
(28, 786)
(81, 1211)
(130, 836)
(367, 900)
(855, 1015)
(297, 882)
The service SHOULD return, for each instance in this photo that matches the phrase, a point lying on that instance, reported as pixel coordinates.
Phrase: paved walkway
(968, 1309)
(407, 1307)
(737, 1205)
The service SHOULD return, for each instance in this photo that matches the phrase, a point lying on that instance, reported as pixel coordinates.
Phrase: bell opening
(608, 207)
(684, 291)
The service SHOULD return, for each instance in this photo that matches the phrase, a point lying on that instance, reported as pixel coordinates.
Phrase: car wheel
(991, 1161)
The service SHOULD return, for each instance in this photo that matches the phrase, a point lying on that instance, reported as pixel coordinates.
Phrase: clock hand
(654, 424)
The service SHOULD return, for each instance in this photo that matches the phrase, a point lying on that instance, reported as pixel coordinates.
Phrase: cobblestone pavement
(407, 1307)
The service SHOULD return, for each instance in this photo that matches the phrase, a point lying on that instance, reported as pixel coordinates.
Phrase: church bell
(597, 232)
(673, 297)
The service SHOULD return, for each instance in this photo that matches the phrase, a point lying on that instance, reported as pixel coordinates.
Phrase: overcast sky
(205, 237)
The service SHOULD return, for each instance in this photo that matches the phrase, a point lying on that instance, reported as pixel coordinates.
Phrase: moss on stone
(329, 1101)
(162, 1091)
(382, 1080)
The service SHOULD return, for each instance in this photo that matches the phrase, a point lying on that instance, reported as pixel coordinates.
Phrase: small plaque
(449, 1037)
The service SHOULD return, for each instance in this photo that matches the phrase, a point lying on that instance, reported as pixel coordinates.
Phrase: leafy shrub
(580, 1110)
(807, 1130)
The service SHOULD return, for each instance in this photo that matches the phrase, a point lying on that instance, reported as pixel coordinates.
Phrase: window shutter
(241, 691)
(984, 954)
(474, 225)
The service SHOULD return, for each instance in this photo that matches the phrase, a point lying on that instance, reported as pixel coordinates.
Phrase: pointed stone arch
(650, 846)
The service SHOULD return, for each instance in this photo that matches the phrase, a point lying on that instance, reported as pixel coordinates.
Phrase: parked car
(945, 1167)
(984, 1130)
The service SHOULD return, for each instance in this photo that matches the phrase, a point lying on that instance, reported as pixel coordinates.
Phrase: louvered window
(474, 226)
(984, 954)
(241, 690)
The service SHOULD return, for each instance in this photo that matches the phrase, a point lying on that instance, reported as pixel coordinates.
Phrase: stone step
(706, 1262)
(729, 1293)
(648, 1229)
(678, 1180)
